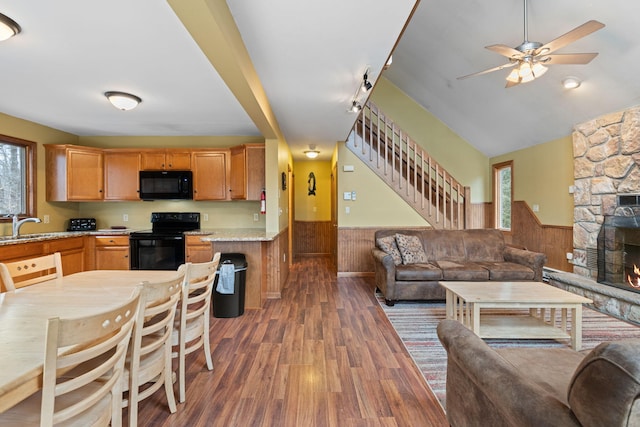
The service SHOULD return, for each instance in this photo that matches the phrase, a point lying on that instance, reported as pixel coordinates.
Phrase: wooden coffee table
(466, 299)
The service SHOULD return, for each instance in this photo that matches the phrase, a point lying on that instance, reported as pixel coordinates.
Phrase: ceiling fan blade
(505, 50)
(573, 35)
(500, 67)
(568, 58)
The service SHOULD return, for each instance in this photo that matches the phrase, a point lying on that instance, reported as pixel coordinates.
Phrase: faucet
(18, 223)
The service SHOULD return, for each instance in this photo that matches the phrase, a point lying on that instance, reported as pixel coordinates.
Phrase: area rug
(416, 322)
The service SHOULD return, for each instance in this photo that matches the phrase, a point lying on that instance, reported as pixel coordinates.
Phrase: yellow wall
(58, 212)
(542, 175)
(376, 204)
(466, 164)
(312, 208)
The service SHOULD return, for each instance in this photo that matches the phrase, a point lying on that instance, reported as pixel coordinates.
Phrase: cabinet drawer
(61, 245)
(21, 251)
(195, 241)
(112, 240)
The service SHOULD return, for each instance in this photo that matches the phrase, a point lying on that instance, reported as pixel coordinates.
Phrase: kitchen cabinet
(121, 172)
(72, 251)
(112, 252)
(196, 250)
(73, 173)
(166, 160)
(247, 176)
(210, 175)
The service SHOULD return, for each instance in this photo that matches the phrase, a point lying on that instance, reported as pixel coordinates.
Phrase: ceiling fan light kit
(531, 59)
(8, 27)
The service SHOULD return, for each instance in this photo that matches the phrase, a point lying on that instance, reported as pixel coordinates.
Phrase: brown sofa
(538, 387)
(412, 269)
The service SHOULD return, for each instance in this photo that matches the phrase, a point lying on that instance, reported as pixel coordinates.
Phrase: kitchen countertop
(210, 235)
(233, 235)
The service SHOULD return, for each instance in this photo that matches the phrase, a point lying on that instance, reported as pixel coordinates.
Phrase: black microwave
(166, 185)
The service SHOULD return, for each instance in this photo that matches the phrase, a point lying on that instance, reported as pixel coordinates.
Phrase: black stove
(162, 247)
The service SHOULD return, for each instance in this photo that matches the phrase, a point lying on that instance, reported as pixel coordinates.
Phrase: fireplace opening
(619, 252)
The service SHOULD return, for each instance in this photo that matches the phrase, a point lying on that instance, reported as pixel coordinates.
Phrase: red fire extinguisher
(263, 202)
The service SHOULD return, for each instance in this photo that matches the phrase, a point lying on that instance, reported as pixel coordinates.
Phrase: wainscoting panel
(312, 237)
(553, 240)
(479, 215)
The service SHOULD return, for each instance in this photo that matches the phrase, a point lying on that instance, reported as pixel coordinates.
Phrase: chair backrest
(152, 335)
(198, 286)
(31, 271)
(96, 347)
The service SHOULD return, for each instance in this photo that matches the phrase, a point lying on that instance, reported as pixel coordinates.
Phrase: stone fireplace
(606, 229)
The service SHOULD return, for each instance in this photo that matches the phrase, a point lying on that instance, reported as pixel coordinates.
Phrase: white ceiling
(309, 57)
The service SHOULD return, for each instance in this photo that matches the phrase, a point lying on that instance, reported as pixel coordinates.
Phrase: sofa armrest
(482, 385)
(385, 271)
(533, 260)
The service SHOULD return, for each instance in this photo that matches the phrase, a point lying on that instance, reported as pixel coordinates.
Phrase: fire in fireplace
(619, 252)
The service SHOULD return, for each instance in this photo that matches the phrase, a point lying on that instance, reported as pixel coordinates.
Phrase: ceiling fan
(532, 58)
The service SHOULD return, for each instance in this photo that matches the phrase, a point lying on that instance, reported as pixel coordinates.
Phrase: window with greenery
(503, 194)
(17, 176)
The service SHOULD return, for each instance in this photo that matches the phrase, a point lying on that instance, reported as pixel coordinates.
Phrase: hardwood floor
(323, 355)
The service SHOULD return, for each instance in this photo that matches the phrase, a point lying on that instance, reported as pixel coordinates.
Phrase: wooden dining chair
(191, 326)
(30, 271)
(93, 348)
(148, 364)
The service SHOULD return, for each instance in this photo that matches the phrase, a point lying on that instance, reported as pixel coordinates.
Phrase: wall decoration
(312, 184)
(284, 181)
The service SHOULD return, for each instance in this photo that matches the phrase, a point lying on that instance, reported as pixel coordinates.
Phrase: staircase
(408, 170)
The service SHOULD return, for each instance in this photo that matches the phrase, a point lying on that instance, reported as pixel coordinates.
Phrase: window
(17, 176)
(503, 194)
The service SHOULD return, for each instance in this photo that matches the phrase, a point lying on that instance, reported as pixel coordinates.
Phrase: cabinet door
(112, 252)
(84, 174)
(209, 176)
(255, 171)
(121, 171)
(178, 160)
(197, 250)
(237, 176)
(71, 251)
(153, 160)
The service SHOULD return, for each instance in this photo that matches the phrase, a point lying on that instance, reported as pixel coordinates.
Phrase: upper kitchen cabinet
(121, 173)
(247, 172)
(74, 173)
(166, 160)
(210, 175)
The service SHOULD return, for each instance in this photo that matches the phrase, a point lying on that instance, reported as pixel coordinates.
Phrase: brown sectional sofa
(539, 387)
(412, 270)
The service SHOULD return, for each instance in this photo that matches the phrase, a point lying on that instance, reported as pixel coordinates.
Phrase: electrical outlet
(205, 217)
(125, 217)
(45, 219)
(256, 217)
(347, 210)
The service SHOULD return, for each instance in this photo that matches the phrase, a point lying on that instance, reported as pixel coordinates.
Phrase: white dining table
(24, 314)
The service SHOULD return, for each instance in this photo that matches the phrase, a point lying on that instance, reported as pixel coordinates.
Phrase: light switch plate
(347, 195)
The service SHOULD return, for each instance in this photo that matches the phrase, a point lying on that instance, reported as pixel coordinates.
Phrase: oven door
(156, 252)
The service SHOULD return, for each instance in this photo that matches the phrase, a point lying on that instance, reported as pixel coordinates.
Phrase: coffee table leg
(576, 327)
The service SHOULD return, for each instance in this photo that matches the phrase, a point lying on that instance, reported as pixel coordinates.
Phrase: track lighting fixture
(361, 93)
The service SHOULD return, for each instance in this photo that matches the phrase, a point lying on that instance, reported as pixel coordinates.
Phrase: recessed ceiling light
(571, 82)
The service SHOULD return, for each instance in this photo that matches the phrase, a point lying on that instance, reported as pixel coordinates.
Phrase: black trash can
(231, 305)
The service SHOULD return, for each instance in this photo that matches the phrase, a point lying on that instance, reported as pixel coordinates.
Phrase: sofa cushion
(462, 271)
(508, 271)
(418, 272)
(444, 245)
(605, 387)
(389, 246)
(411, 249)
(484, 245)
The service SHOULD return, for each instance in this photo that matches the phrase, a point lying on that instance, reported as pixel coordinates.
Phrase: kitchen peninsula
(262, 250)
